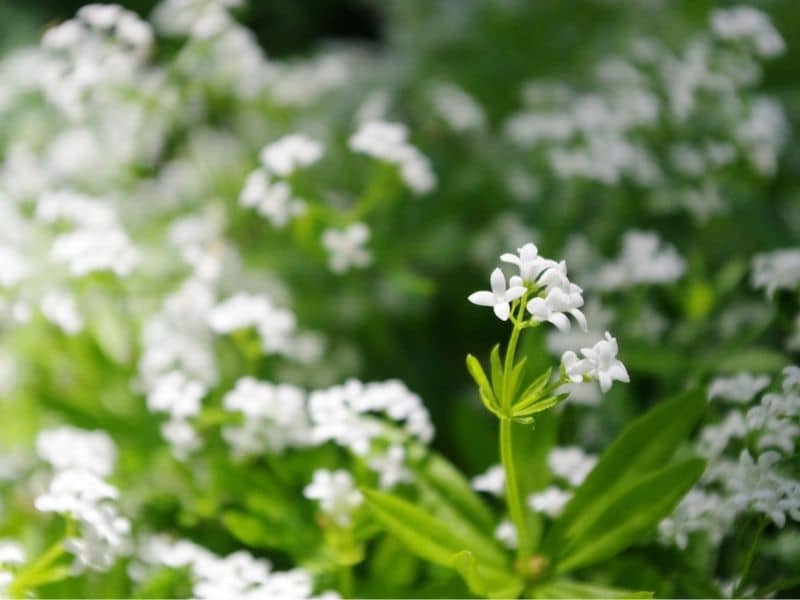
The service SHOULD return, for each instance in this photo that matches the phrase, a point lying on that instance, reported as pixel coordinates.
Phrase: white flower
(777, 270)
(550, 501)
(272, 199)
(391, 467)
(571, 463)
(528, 261)
(274, 417)
(182, 437)
(69, 447)
(346, 247)
(562, 297)
(458, 109)
(388, 141)
(575, 368)
(605, 367)
(336, 493)
(748, 24)
(499, 297)
(643, 260)
(176, 394)
(740, 389)
(289, 153)
(507, 534)
(61, 309)
(11, 553)
(493, 481)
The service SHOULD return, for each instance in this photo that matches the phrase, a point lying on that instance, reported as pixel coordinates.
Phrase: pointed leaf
(516, 377)
(644, 445)
(452, 485)
(485, 583)
(424, 535)
(497, 370)
(535, 389)
(564, 588)
(487, 395)
(633, 514)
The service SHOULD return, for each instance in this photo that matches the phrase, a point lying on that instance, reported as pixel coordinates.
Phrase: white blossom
(550, 501)
(740, 389)
(272, 199)
(493, 481)
(499, 297)
(336, 493)
(571, 463)
(289, 153)
(391, 467)
(346, 247)
(778, 270)
(176, 394)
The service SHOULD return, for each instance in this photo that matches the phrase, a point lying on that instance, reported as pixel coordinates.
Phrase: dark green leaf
(632, 515)
(646, 444)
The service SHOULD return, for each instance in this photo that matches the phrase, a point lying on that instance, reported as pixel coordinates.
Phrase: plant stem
(513, 499)
(346, 581)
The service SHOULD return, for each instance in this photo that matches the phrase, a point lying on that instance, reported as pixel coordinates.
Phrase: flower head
(499, 297)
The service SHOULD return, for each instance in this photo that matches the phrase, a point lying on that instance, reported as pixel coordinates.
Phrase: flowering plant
(235, 298)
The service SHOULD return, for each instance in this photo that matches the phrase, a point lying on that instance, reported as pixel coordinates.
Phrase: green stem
(516, 510)
(346, 581)
(514, 500)
(749, 560)
(29, 575)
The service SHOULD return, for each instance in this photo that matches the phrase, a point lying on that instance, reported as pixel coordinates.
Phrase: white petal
(515, 292)
(619, 372)
(560, 320)
(498, 282)
(580, 318)
(482, 298)
(501, 310)
(605, 381)
(510, 258)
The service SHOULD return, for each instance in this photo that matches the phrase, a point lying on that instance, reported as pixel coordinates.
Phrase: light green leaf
(485, 583)
(424, 535)
(497, 372)
(646, 444)
(535, 389)
(516, 377)
(451, 485)
(487, 395)
(564, 588)
(633, 514)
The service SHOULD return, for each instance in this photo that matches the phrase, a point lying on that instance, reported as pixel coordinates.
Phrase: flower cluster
(547, 294)
(78, 491)
(754, 481)
(267, 190)
(239, 575)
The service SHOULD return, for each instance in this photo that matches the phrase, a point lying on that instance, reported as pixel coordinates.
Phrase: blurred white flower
(336, 493)
(346, 247)
(550, 501)
(289, 153)
(493, 481)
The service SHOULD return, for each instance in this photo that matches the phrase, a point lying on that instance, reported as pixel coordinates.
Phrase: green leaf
(424, 535)
(564, 588)
(635, 513)
(538, 405)
(646, 444)
(487, 395)
(531, 446)
(535, 389)
(455, 489)
(516, 377)
(497, 372)
(482, 583)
